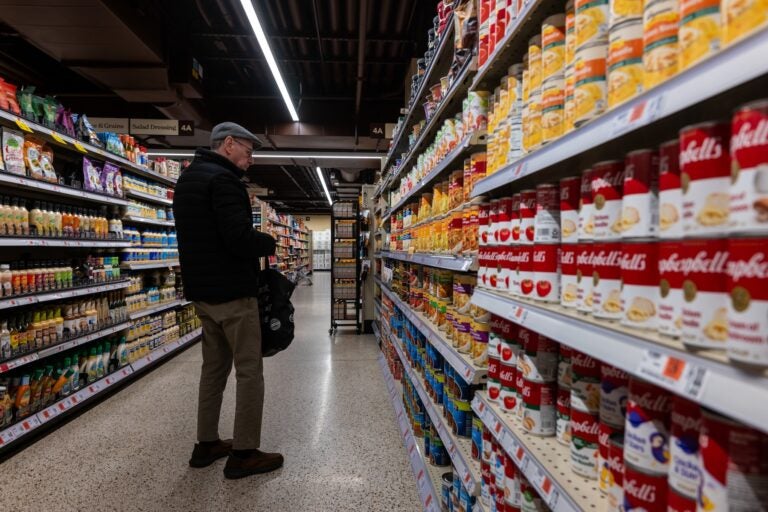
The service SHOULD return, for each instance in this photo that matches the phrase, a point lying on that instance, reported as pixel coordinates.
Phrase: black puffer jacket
(218, 246)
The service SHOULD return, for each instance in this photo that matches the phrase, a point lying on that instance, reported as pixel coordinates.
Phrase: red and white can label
(569, 291)
(585, 365)
(585, 393)
(614, 390)
(705, 305)
(644, 491)
(563, 427)
(514, 269)
(494, 361)
(493, 216)
(704, 174)
(714, 461)
(525, 273)
(640, 293)
(640, 202)
(482, 278)
(484, 223)
(615, 465)
(606, 285)
(586, 208)
(539, 356)
(676, 502)
(547, 222)
(684, 469)
(514, 225)
(511, 483)
(749, 169)
(519, 384)
(527, 216)
(607, 190)
(747, 288)
(670, 191)
(585, 430)
(570, 194)
(500, 253)
(564, 372)
(671, 277)
(530, 499)
(503, 232)
(508, 374)
(546, 272)
(485, 488)
(584, 279)
(646, 439)
(747, 469)
(539, 399)
(508, 267)
(605, 432)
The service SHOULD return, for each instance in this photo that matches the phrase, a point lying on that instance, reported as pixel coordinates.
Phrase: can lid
(625, 23)
(673, 142)
(535, 41)
(753, 105)
(705, 124)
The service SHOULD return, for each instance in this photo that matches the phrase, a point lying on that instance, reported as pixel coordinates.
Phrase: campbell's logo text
(606, 259)
(611, 372)
(750, 136)
(699, 264)
(685, 422)
(634, 262)
(754, 268)
(644, 492)
(586, 428)
(711, 148)
(651, 402)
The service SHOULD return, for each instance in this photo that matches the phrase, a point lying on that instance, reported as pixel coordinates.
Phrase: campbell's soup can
(498, 470)
(671, 276)
(614, 391)
(527, 216)
(539, 362)
(569, 291)
(704, 173)
(625, 59)
(640, 201)
(615, 465)
(569, 103)
(534, 64)
(585, 365)
(676, 502)
(501, 20)
(585, 388)
(585, 430)
(623, 10)
(586, 208)
(508, 268)
(552, 108)
(514, 225)
(553, 46)
(607, 190)
(484, 31)
(511, 484)
(699, 34)
(539, 399)
(584, 279)
(564, 365)
(684, 469)
(547, 219)
(513, 269)
(519, 384)
(644, 491)
(563, 426)
(749, 169)
(482, 266)
(570, 194)
(503, 232)
(530, 500)
(606, 280)
(534, 120)
(670, 191)
(646, 438)
(510, 350)
(747, 287)
(590, 86)
(525, 272)
(605, 432)
(640, 290)
(660, 48)
(705, 304)
(591, 23)
(742, 18)
(494, 358)
(484, 224)
(570, 33)
(546, 272)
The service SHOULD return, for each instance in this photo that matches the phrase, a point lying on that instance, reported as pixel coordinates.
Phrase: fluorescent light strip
(250, 13)
(322, 180)
(274, 155)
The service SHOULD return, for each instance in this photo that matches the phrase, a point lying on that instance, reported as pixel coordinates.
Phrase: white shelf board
(58, 190)
(7, 241)
(133, 315)
(150, 265)
(152, 222)
(148, 197)
(38, 298)
(455, 263)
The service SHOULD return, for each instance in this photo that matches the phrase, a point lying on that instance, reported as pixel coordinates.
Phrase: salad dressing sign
(143, 126)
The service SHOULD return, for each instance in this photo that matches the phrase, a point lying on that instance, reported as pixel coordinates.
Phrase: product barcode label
(671, 372)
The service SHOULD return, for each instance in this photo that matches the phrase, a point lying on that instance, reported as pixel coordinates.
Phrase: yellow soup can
(589, 90)
(553, 46)
(552, 108)
(742, 17)
(699, 34)
(534, 63)
(569, 107)
(660, 48)
(625, 61)
(570, 33)
(591, 22)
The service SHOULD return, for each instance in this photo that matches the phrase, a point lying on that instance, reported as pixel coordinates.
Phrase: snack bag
(46, 161)
(9, 91)
(25, 101)
(13, 151)
(108, 178)
(119, 183)
(50, 107)
(86, 132)
(32, 155)
(64, 121)
(91, 176)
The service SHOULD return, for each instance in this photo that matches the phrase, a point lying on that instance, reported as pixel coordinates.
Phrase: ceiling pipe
(360, 62)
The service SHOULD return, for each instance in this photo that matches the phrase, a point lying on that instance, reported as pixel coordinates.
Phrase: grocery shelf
(152, 222)
(61, 347)
(12, 241)
(23, 182)
(375, 328)
(543, 461)
(461, 362)
(133, 315)
(26, 300)
(455, 263)
(127, 265)
(704, 376)
(730, 67)
(427, 475)
(148, 197)
(459, 449)
(67, 406)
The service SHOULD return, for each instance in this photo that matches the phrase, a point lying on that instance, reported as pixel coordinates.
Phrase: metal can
(747, 287)
(643, 490)
(547, 220)
(670, 191)
(552, 108)
(494, 359)
(478, 162)
(479, 332)
(605, 431)
(640, 199)
(534, 63)
(640, 284)
(563, 426)
(477, 437)
(749, 169)
(484, 32)
(476, 112)
(569, 291)
(584, 279)
(614, 390)
(586, 208)
(622, 10)
(569, 104)
(530, 499)
(514, 225)
(742, 18)
(705, 305)
(564, 364)
(585, 429)
(493, 214)
(585, 393)
(676, 502)
(539, 356)
(671, 276)
(646, 438)
(527, 216)
(546, 272)
(511, 484)
(570, 33)
(484, 223)
(532, 123)
(607, 191)
(660, 21)
(525, 272)
(590, 86)
(699, 34)
(684, 470)
(615, 465)
(606, 284)
(510, 350)
(625, 59)
(503, 233)
(553, 46)
(519, 385)
(591, 22)
(570, 195)
(539, 400)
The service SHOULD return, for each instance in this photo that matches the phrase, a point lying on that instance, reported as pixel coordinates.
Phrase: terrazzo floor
(326, 410)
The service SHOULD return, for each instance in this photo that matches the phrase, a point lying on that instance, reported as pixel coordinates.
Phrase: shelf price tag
(58, 138)
(80, 147)
(638, 115)
(23, 125)
(684, 377)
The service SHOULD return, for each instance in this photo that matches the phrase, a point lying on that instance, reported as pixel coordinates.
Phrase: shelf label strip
(671, 372)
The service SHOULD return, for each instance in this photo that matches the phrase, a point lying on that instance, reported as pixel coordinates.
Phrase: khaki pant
(231, 332)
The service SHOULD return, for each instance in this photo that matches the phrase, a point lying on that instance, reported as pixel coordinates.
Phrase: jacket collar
(206, 155)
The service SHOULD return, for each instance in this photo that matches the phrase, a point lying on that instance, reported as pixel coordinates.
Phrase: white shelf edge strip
(154, 309)
(62, 190)
(457, 263)
(717, 385)
(148, 197)
(62, 294)
(57, 242)
(144, 220)
(143, 266)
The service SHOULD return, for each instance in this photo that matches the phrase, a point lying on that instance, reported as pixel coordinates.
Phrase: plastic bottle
(48, 382)
(3, 221)
(58, 325)
(23, 327)
(6, 407)
(63, 383)
(37, 329)
(92, 366)
(23, 218)
(74, 378)
(36, 390)
(105, 353)
(122, 352)
(6, 281)
(22, 397)
(5, 343)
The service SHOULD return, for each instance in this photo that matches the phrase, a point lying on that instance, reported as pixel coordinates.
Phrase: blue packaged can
(477, 437)
(467, 501)
(445, 487)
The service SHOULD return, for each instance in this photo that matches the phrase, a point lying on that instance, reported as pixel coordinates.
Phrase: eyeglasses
(246, 146)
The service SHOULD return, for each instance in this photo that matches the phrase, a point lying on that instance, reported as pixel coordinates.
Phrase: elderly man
(219, 251)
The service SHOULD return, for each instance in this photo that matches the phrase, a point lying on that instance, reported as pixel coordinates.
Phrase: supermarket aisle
(326, 410)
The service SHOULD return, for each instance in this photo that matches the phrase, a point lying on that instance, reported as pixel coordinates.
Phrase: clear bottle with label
(23, 218)
(5, 342)
(36, 220)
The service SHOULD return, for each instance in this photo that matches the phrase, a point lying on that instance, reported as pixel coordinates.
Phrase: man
(219, 251)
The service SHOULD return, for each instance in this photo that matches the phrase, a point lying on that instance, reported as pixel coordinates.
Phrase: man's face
(238, 152)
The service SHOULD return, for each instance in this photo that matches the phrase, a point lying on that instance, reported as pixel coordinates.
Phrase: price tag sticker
(638, 115)
(6, 436)
(80, 147)
(521, 169)
(684, 377)
(49, 413)
(519, 455)
(520, 314)
(58, 138)
(428, 501)
(23, 125)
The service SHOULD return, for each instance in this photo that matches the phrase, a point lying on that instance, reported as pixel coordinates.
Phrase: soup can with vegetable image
(749, 169)
(585, 430)
(569, 103)
(742, 17)
(670, 191)
(590, 85)
(569, 290)
(699, 34)
(591, 22)
(539, 404)
(640, 284)
(553, 46)
(625, 61)
(660, 43)
(552, 108)
(606, 284)
(640, 201)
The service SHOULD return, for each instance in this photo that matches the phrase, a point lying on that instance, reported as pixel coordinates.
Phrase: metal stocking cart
(345, 266)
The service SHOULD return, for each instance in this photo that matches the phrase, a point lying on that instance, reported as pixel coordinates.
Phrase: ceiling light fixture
(250, 13)
(257, 155)
(325, 187)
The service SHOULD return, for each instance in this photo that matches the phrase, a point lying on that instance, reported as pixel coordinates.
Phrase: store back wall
(318, 222)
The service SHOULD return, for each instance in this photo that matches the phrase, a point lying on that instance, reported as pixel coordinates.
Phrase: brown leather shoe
(206, 454)
(257, 462)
